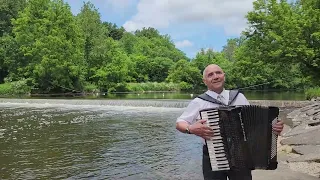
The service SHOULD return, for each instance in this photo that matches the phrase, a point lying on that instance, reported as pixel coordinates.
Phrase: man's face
(214, 78)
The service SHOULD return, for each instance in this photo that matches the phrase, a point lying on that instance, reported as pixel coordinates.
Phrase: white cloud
(184, 43)
(119, 4)
(161, 13)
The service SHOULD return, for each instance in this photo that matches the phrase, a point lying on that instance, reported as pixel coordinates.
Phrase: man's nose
(215, 76)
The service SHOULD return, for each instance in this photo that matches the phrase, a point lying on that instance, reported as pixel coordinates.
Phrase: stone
(311, 168)
(281, 173)
(306, 149)
(285, 149)
(315, 99)
(313, 157)
(307, 108)
(308, 115)
(309, 138)
(301, 129)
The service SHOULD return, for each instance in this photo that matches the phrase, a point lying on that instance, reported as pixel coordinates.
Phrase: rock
(306, 149)
(313, 157)
(308, 115)
(286, 129)
(309, 138)
(281, 173)
(315, 110)
(285, 148)
(311, 168)
(301, 129)
(315, 99)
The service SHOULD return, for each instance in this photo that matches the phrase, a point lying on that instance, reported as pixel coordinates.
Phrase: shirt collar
(215, 95)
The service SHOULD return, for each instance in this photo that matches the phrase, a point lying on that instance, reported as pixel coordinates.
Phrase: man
(190, 122)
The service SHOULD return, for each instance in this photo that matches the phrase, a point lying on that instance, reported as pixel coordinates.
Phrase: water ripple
(54, 142)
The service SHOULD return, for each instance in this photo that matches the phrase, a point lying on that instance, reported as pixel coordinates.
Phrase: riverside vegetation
(46, 49)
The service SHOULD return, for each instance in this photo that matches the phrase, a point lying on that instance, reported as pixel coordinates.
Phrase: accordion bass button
(220, 155)
(218, 144)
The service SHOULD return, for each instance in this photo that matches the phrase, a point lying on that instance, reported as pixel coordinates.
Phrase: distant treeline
(46, 49)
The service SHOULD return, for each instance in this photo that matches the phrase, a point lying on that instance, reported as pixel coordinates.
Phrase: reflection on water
(100, 142)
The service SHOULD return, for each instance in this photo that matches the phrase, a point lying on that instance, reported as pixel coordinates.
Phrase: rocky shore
(299, 144)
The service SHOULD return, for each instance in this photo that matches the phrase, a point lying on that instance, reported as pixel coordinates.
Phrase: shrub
(5, 89)
(312, 93)
(152, 86)
(15, 88)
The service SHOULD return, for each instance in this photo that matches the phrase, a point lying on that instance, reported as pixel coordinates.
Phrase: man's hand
(277, 127)
(201, 129)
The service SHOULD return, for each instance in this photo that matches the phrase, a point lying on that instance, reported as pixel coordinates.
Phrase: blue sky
(192, 24)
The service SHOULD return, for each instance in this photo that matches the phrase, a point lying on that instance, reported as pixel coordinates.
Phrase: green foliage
(185, 86)
(183, 71)
(50, 41)
(15, 88)
(285, 34)
(113, 31)
(43, 46)
(9, 10)
(20, 87)
(312, 93)
(91, 88)
(5, 89)
(152, 86)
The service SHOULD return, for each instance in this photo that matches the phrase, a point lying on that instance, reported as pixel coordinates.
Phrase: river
(67, 141)
(98, 139)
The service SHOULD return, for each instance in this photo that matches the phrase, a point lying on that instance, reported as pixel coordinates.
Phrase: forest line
(46, 49)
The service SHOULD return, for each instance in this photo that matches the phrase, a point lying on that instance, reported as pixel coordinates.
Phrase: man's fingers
(280, 122)
(202, 121)
(277, 129)
(277, 126)
(207, 137)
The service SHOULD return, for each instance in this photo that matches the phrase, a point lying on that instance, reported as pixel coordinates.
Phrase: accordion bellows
(243, 137)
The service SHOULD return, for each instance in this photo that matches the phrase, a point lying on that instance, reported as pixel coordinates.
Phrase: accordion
(243, 137)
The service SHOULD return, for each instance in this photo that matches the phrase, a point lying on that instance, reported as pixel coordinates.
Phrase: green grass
(312, 93)
(152, 86)
(15, 88)
(5, 89)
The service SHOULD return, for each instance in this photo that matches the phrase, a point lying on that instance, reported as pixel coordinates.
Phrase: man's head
(214, 78)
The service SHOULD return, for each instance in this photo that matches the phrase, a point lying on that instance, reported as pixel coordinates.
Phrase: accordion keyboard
(218, 157)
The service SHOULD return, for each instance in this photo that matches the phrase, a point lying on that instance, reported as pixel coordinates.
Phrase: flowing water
(76, 140)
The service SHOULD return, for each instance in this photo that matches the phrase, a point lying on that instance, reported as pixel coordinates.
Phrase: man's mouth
(215, 82)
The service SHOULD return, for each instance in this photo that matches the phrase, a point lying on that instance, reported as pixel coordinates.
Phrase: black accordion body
(243, 137)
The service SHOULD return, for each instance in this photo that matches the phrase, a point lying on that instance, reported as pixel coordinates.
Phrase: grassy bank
(312, 93)
(20, 88)
(16, 88)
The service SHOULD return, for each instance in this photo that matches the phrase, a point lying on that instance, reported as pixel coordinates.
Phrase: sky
(191, 24)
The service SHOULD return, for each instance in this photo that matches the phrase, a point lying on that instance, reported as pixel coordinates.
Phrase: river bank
(299, 144)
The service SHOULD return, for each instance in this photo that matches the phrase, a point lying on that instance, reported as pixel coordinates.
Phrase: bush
(15, 88)
(91, 88)
(152, 86)
(5, 89)
(185, 86)
(312, 93)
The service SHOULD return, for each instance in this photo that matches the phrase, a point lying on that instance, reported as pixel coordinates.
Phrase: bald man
(189, 121)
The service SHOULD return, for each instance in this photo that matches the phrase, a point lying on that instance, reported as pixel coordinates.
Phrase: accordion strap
(232, 96)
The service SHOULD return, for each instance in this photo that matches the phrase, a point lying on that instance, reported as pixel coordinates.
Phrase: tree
(51, 43)
(285, 34)
(113, 31)
(9, 10)
(187, 75)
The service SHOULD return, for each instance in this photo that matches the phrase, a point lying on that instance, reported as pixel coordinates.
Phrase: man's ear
(204, 81)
